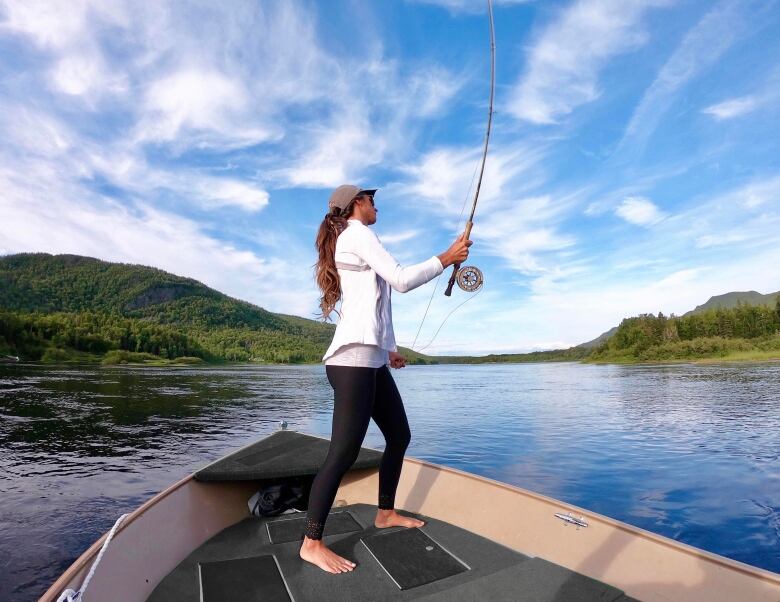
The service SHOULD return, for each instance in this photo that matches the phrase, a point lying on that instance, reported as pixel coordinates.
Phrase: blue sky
(633, 164)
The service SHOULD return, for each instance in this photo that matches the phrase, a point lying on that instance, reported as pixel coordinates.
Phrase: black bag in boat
(277, 498)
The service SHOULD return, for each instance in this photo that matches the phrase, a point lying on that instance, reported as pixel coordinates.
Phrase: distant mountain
(598, 340)
(731, 300)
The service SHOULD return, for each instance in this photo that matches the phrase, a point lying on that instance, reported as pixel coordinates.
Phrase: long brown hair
(325, 272)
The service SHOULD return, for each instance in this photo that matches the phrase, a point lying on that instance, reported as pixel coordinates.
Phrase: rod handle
(456, 267)
(451, 283)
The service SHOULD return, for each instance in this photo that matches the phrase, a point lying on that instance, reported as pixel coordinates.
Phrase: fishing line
(469, 298)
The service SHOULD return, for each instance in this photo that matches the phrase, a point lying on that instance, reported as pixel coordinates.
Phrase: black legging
(359, 394)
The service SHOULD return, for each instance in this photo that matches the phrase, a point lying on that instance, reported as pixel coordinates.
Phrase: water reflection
(687, 451)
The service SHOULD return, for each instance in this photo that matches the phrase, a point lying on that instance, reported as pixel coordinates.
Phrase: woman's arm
(402, 279)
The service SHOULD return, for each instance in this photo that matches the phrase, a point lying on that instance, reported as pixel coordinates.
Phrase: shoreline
(737, 358)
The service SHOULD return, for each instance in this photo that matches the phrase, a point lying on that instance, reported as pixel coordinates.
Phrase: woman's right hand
(457, 253)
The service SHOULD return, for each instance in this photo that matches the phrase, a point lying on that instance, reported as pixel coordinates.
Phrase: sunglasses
(369, 197)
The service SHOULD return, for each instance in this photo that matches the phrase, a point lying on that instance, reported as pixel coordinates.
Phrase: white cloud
(441, 176)
(713, 240)
(337, 153)
(81, 74)
(37, 136)
(394, 238)
(728, 109)
(361, 132)
(524, 232)
(238, 83)
(700, 49)
(53, 25)
(427, 91)
(712, 229)
(512, 224)
(753, 194)
(70, 34)
(445, 177)
(639, 210)
(195, 107)
(564, 64)
(233, 192)
(193, 98)
(720, 244)
(679, 278)
(33, 132)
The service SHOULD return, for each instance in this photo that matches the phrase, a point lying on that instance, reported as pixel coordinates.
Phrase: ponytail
(325, 272)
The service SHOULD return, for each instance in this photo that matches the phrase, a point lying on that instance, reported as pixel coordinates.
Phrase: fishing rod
(469, 278)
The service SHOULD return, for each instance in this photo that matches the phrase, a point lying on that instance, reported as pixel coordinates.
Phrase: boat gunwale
(82, 561)
(729, 563)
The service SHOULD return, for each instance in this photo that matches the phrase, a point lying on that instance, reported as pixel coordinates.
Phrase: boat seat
(280, 455)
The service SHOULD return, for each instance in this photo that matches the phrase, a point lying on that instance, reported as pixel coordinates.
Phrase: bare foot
(314, 551)
(390, 518)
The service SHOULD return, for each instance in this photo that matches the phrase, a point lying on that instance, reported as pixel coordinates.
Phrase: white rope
(70, 595)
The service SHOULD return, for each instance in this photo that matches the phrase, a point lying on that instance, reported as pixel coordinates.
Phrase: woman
(356, 269)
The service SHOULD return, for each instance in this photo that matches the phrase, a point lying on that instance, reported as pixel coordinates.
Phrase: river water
(688, 451)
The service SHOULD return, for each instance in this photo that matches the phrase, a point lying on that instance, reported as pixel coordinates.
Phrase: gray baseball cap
(344, 194)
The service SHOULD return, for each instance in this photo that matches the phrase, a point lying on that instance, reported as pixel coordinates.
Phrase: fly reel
(469, 278)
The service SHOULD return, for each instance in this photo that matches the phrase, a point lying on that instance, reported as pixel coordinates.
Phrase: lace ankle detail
(314, 529)
(386, 501)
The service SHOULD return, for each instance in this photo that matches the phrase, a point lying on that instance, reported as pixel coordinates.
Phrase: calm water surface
(690, 452)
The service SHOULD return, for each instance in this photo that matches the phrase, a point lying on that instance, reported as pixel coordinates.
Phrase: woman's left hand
(397, 360)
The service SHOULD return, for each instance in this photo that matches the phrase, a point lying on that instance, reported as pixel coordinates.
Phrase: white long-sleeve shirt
(367, 273)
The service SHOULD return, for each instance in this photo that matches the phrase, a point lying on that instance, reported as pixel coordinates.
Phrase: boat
(482, 540)
(9, 358)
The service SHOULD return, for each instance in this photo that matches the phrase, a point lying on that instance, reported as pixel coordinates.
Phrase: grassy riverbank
(704, 350)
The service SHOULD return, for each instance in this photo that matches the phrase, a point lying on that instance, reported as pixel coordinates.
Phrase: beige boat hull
(155, 538)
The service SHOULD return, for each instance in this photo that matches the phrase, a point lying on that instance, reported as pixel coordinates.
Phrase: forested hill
(742, 331)
(725, 301)
(69, 306)
(39, 282)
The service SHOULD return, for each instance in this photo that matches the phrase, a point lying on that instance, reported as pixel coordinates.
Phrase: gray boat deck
(494, 571)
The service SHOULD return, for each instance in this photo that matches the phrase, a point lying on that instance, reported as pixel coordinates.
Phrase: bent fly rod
(469, 278)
